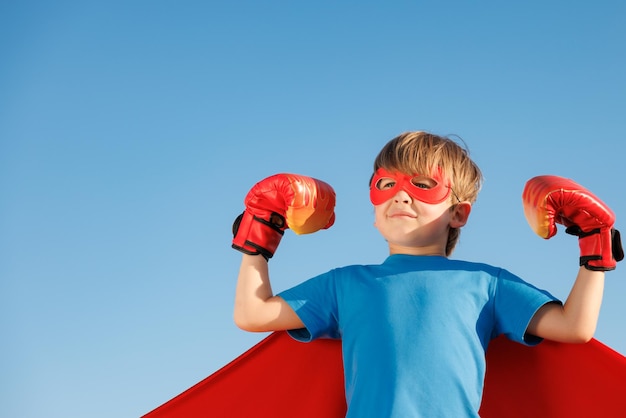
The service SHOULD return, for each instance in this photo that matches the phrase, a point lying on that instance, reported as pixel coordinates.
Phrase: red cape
(280, 377)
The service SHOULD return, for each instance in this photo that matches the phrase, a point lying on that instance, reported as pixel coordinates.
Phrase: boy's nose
(402, 196)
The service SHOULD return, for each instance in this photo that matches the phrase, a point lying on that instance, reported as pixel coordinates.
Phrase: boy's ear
(460, 214)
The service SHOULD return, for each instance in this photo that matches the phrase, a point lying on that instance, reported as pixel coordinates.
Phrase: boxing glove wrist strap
(254, 235)
(600, 248)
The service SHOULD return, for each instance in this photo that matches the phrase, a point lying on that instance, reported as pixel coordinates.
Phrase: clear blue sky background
(130, 132)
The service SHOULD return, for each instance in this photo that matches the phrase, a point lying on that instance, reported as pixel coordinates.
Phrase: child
(415, 328)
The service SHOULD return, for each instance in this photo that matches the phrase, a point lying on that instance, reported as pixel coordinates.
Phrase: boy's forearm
(582, 307)
(253, 287)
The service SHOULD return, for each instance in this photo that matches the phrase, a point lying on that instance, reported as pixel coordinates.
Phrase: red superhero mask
(436, 193)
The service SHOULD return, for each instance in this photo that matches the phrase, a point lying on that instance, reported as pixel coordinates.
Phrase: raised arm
(549, 200)
(256, 307)
(575, 321)
(274, 204)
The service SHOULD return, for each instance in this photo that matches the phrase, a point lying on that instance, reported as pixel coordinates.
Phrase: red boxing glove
(551, 199)
(276, 203)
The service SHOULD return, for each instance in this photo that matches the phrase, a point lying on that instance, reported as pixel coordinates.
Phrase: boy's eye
(423, 182)
(385, 183)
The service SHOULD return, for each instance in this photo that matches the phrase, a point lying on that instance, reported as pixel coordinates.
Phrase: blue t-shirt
(414, 330)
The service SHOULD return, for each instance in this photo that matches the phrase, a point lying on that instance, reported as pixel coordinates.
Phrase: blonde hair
(422, 152)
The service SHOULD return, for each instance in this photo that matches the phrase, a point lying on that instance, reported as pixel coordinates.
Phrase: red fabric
(554, 380)
(278, 378)
(282, 378)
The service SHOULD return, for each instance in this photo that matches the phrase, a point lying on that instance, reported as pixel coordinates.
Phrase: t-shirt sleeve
(516, 302)
(315, 303)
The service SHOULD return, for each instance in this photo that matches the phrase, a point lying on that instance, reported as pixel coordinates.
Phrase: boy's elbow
(583, 336)
(243, 322)
(580, 335)
(240, 320)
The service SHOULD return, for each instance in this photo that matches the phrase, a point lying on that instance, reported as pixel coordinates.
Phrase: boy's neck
(434, 250)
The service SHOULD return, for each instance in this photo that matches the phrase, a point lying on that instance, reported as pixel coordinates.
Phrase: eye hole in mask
(426, 189)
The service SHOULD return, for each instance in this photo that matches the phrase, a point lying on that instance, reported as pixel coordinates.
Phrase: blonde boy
(415, 328)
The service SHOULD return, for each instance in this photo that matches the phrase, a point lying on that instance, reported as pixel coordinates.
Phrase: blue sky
(131, 131)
